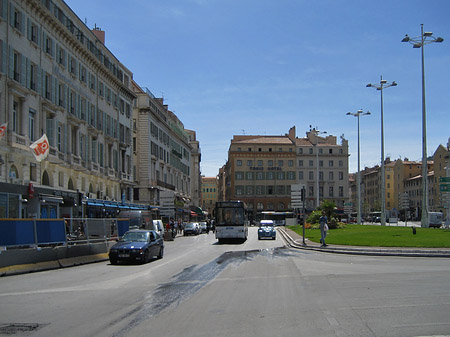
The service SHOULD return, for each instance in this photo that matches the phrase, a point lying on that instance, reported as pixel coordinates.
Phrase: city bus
(279, 218)
(231, 220)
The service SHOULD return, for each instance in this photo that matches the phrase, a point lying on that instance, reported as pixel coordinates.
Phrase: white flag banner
(40, 148)
(3, 129)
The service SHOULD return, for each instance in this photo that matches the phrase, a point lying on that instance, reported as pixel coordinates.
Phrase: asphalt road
(257, 288)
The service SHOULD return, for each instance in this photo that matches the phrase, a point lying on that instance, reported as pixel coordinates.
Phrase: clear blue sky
(228, 67)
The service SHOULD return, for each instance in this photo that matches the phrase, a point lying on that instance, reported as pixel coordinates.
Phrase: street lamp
(420, 42)
(358, 177)
(383, 84)
(317, 133)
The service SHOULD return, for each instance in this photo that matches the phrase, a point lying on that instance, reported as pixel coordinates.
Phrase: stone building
(57, 78)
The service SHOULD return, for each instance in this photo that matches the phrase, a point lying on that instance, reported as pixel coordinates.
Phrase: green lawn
(381, 236)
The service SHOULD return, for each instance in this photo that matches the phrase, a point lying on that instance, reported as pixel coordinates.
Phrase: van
(435, 219)
(139, 219)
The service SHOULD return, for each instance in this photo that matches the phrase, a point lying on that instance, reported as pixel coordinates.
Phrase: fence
(68, 231)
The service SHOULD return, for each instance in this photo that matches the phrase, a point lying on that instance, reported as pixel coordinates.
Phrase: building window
(330, 163)
(31, 116)
(259, 176)
(341, 163)
(300, 175)
(300, 150)
(249, 175)
(341, 175)
(341, 191)
(260, 163)
(249, 163)
(290, 163)
(270, 176)
(311, 163)
(238, 162)
(270, 190)
(311, 151)
(291, 175)
(249, 190)
(320, 163)
(280, 163)
(300, 163)
(259, 190)
(239, 190)
(270, 163)
(330, 191)
(311, 175)
(239, 175)
(331, 176)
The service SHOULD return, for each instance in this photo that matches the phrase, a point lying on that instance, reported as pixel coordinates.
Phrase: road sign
(444, 187)
(444, 180)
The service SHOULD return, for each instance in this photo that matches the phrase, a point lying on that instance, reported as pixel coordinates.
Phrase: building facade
(210, 194)
(261, 170)
(57, 78)
(163, 154)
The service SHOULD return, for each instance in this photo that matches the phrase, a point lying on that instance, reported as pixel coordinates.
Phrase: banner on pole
(40, 148)
(3, 129)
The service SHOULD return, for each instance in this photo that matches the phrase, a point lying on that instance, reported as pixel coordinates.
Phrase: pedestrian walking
(323, 225)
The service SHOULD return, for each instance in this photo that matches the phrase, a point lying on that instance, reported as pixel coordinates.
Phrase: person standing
(323, 225)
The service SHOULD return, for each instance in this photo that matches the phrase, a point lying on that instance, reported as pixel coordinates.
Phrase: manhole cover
(13, 328)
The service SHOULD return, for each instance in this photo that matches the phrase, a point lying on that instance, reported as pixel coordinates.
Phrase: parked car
(191, 228)
(266, 230)
(203, 226)
(137, 245)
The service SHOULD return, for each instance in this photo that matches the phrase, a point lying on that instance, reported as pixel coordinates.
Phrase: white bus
(231, 220)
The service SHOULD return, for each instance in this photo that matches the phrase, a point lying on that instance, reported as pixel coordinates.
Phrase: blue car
(266, 230)
(137, 245)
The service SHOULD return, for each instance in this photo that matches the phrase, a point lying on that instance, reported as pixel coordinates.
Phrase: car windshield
(135, 236)
(189, 225)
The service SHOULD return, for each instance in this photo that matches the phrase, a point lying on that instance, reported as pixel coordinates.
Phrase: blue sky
(259, 67)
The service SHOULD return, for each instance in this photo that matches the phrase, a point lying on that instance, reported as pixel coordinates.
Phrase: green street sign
(444, 179)
(444, 187)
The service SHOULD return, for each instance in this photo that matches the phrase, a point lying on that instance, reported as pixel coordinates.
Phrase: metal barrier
(25, 233)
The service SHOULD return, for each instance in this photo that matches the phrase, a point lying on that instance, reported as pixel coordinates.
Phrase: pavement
(295, 240)
(291, 238)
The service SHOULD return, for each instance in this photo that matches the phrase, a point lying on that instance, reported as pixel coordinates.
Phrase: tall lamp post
(420, 42)
(358, 177)
(316, 134)
(382, 85)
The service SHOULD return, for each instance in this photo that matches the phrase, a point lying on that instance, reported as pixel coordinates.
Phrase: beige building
(441, 159)
(58, 78)
(210, 194)
(261, 169)
(195, 172)
(162, 151)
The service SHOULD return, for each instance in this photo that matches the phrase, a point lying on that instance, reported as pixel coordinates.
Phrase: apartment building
(210, 193)
(163, 154)
(441, 159)
(57, 78)
(261, 169)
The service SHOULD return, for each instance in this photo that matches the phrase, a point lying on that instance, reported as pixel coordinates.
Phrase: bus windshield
(230, 216)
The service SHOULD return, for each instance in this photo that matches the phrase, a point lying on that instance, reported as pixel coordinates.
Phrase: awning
(197, 210)
(50, 198)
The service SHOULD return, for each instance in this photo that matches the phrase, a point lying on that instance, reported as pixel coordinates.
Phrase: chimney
(100, 34)
(292, 133)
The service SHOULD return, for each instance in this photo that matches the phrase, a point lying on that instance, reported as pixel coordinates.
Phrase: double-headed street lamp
(358, 177)
(382, 85)
(420, 42)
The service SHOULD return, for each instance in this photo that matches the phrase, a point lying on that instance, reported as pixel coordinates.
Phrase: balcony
(165, 185)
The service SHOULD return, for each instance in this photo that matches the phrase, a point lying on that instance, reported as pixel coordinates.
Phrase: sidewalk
(295, 240)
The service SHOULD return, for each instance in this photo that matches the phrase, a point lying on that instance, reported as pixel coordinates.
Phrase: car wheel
(113, 261)
(146, 256)
(161, 253)
(274, 238)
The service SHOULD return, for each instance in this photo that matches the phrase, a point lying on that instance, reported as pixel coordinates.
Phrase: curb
(51, 265)
(369, 251)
